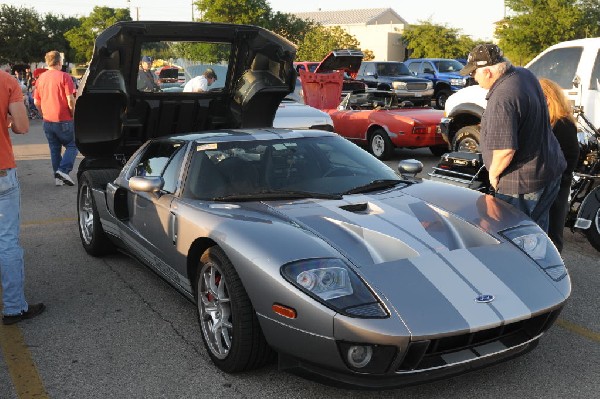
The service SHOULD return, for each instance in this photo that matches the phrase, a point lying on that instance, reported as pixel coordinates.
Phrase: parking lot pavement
(114, 329)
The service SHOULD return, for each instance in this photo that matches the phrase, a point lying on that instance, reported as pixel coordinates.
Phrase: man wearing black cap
(145, 80)
(520, 151)
(200, 83)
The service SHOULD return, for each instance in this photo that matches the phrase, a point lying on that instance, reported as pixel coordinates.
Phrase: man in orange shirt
(54, 98)
(13, 115)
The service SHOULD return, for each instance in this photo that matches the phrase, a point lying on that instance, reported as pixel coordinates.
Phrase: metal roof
(367, 16)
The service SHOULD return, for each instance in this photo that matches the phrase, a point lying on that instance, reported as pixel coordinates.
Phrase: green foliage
(537, 24)
(208, 53)
(82, 37)
(289, 26)
(369, 55)
(55, 28)
(429, 40)
(253, 12)
(320, 40)
(21, 33)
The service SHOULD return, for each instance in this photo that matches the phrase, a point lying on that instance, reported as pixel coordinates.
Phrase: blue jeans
(11, 253)
(536, 205)
(61, 134)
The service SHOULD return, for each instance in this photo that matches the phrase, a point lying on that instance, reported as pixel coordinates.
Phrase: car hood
(341, 60)
(431, 263)
(113, 118)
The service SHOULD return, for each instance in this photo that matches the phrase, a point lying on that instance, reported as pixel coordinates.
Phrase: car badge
(485, 298)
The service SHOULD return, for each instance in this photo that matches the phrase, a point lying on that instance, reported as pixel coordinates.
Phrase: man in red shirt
(54, 98)
(13, 115)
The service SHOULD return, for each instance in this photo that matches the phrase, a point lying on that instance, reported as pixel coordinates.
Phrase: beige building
(377, 29)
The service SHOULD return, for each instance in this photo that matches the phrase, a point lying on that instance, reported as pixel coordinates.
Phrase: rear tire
(230, 329)
(380, 145)
(441, 97)
(467, 139)
(593, 233)
(93, 238)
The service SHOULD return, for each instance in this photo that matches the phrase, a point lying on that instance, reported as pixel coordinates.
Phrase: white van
(565, 63)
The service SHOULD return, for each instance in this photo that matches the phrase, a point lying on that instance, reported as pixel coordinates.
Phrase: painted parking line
(47, 221)
(579, 330)
(23, 372)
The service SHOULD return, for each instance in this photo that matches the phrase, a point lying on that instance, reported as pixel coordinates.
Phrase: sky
(472, 18)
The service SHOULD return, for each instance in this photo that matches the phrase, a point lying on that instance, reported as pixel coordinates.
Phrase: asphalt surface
(114, 329)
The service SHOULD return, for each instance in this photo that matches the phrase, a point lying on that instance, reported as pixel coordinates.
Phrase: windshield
(370, 100)
(307, 167)
(392, 69)
(448, 66)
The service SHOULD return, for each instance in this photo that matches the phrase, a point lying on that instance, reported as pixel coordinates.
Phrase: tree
(428, 40)
(83, 37)
(320, 40)
(591, 16)
(254, 12)
(55, 28)
(21, 33)
(369, 55)
(538, 24)
(289, 26)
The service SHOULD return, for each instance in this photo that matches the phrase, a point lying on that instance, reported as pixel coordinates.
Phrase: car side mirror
(410, 167)
(576, 81)
(150, 184)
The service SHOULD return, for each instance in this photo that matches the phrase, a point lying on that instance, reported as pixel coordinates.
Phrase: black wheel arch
(199, 246)
(442, 86)
(467, 114)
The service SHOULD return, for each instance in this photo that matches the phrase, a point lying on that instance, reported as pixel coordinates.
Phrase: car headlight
(332, 282)
(458, 82)
(532, 240)
(399, 85)
(429, 85)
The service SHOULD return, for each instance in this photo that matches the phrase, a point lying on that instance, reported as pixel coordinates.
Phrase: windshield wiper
(276, 195)
(374, 185)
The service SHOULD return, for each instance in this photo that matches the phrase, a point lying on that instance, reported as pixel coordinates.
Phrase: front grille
(349, 86)
(416, 86)
(443, 352)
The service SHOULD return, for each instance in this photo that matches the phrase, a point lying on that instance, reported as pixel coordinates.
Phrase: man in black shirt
(520, 151)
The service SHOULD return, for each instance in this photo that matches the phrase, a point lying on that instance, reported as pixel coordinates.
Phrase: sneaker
(64, 177)
(34, 310)
(58, 182)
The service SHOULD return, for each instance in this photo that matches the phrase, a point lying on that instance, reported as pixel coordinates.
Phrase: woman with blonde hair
(564, 127)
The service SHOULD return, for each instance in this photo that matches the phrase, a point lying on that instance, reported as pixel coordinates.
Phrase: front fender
(588, 210)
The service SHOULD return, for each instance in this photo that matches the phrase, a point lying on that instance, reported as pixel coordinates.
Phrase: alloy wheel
(214, 307)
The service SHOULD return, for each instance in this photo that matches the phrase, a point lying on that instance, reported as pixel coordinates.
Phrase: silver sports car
(297, 243)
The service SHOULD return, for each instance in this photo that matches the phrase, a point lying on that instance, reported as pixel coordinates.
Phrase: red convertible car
(373, 118)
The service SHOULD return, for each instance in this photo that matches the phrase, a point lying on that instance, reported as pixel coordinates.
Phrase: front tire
(467, 139)
(230, 329)
(93, 238)
(380, 145)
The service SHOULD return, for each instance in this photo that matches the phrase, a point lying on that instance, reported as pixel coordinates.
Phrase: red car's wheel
(380, 144)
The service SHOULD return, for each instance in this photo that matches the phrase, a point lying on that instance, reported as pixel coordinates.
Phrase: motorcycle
(466, 169)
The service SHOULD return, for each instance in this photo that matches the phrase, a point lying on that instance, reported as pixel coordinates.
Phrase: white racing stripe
(456, 290)
(506, 302)
(412, 231)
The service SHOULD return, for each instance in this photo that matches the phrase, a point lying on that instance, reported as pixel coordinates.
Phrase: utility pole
(192, 10)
